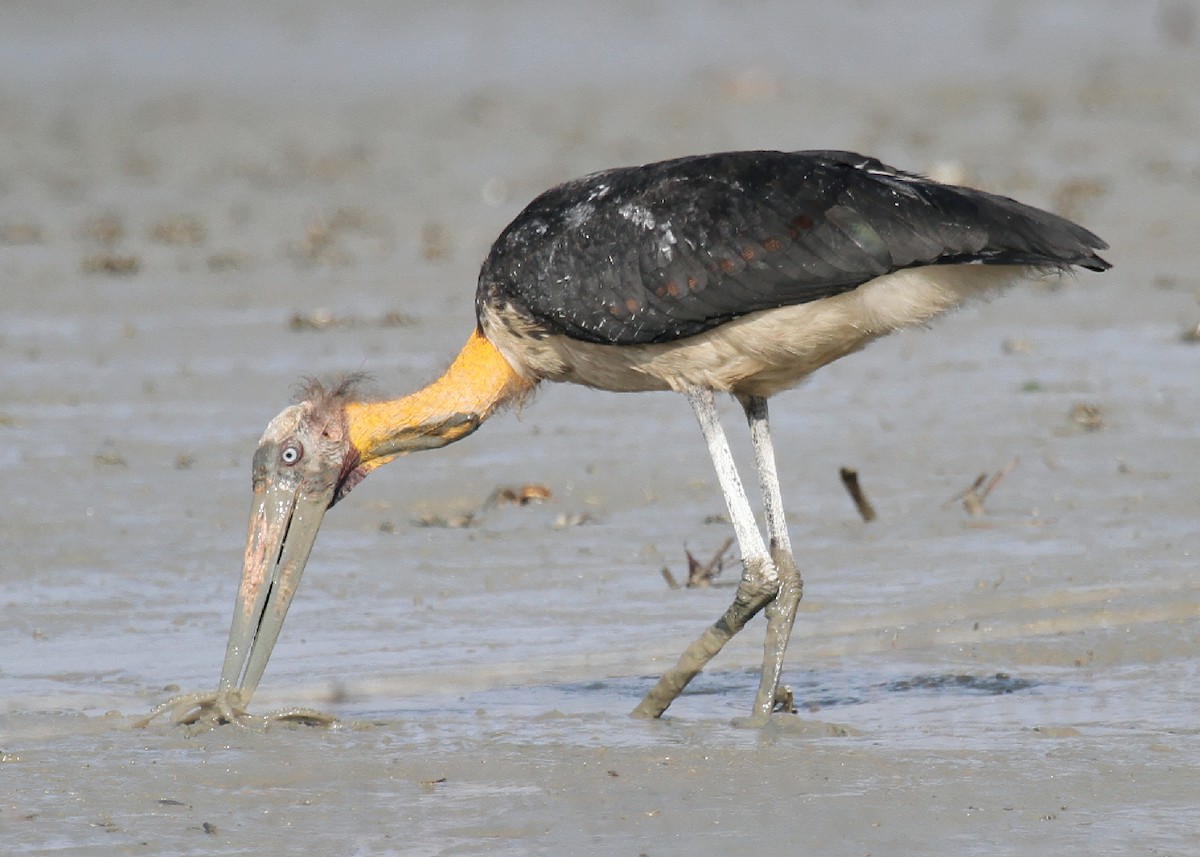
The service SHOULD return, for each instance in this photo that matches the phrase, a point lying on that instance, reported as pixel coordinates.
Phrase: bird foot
(785, 700)
(209, 709)
(188, 709)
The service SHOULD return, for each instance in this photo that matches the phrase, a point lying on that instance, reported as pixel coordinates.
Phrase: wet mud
(195, 213)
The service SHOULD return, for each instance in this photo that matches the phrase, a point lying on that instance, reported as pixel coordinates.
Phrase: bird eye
(291, 453)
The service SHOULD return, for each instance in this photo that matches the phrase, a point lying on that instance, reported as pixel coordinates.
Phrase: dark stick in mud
(850, 479)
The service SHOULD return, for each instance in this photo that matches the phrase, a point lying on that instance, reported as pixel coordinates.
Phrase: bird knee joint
(759, 578)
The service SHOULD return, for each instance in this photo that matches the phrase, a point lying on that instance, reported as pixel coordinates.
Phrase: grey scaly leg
(781, 613)
(758, 586)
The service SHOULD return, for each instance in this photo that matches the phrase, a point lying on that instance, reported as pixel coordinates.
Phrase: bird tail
(1023, 235)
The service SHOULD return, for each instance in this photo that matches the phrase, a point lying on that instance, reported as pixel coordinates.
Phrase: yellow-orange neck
(478, 382)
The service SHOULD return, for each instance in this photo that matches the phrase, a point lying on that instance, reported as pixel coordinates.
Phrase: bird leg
(758, 587)
(781, 613)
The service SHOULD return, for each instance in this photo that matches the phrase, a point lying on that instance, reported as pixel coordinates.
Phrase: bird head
(312, 455)
(305, 463)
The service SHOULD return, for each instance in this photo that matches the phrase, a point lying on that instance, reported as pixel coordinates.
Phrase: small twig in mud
(704, 575)
(431, 785)
(972, 498)
(995, 480)
(850, 480)
(700, 575)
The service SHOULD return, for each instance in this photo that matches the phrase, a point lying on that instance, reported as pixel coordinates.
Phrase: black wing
(650, 254)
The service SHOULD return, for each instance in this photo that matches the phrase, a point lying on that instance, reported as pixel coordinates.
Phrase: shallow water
(1024, 682)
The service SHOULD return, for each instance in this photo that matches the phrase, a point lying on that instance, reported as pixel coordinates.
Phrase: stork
(737, 272)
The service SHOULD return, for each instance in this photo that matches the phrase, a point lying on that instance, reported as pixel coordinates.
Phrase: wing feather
(669, 250)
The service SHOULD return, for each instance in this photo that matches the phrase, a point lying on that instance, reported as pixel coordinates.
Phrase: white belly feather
(757, 354)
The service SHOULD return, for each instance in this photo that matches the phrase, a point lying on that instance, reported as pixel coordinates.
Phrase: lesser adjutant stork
(739, 273)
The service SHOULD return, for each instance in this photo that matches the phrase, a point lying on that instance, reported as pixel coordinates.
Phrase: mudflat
(198, 210)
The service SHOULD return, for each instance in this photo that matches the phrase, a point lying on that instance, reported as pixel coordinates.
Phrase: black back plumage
(654, 253)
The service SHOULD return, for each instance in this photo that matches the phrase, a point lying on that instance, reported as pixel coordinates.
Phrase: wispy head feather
(347, 388)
